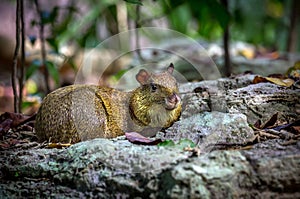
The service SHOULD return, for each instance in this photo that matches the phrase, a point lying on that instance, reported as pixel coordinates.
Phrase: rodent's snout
(172, 101)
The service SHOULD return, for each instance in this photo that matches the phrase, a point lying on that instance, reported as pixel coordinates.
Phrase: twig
(137, 34)
(294, 18)
(289, 142)
(268, 135)
(195, 151)
(31, 118)
(282, 134)
(43, 50)
(21, 79)
(145, 21)
(15, 59)
(58, 145)
(226, 36)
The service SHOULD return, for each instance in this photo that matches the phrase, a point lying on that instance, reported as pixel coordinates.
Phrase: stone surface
(209, 128)
(214, 112)
(108, 168)
(261, 101)
(238, 95)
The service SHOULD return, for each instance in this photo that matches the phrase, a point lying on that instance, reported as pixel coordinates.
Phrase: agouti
(80, 112)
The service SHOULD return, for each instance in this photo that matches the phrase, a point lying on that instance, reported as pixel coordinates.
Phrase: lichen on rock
(111, 168)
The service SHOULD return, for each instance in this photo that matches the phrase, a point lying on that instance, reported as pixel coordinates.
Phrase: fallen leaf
(270, 122)
(268, 55)
(257, 124)
(280, 127)
(259, 79)
(5, 126)
(280, 82)
(17, 118)
(248, 53)
(288, 82)
(295, 129)
(289, 126)
(137, 138)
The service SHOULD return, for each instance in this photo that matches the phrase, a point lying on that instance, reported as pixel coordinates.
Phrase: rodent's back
(73, 113)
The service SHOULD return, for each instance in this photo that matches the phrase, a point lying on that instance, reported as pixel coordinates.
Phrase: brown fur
(81, 112)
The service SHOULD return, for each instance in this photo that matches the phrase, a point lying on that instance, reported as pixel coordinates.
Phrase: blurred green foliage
(261, 22)
(264, 22)
(209, 17)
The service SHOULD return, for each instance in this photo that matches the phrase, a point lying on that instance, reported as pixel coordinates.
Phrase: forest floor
(236, 138)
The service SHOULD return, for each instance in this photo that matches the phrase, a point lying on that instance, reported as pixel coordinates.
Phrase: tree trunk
(294, 19)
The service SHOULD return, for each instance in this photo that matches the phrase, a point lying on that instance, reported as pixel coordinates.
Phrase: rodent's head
(160, 88)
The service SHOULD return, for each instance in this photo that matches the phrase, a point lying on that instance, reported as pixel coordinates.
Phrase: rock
(214, 112)
(217, 175)
(87, 169)
(209, 128)
(238, 95)
(261, 101)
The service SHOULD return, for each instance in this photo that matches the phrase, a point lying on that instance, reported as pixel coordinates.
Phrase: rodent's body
(81, 112)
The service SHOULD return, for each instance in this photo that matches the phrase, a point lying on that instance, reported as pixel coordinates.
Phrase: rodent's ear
(142, 77)
(171, 68)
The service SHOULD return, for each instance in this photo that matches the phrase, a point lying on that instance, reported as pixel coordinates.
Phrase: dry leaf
(257, 124)
(17, 118)
(270, 122)
(5, 126)
(137, 138)
(281, 82)
(259, 79)
(295, 129)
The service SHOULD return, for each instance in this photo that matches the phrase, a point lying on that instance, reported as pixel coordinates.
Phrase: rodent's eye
(153, 87)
